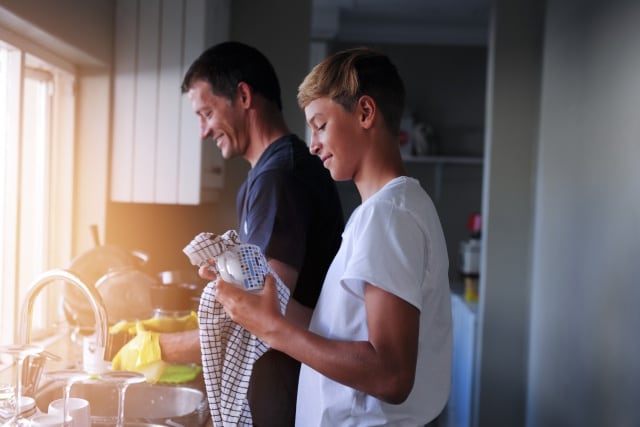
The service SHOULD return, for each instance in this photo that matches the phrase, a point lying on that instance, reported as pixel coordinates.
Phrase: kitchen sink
(145, 404)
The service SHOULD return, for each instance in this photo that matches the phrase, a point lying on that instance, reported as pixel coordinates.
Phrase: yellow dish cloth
(142, 353)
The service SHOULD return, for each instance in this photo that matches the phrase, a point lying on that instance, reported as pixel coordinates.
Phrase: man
(378, 347)
(289, 205)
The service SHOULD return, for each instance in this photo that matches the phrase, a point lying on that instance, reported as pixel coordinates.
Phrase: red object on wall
(475, 223)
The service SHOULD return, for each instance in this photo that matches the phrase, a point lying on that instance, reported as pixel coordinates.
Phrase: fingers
(270, 280)
(226, 291)
(270, 286)
(235, 300)
(206, 272)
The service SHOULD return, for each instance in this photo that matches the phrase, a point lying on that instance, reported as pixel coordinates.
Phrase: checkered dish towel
(228, 350)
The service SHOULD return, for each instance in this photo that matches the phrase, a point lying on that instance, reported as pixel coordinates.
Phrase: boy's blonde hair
(347, 75)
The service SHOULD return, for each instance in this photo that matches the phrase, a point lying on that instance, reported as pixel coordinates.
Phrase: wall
(281, 30)
(513, 87)
(584, 346)
(79, 30)
(558, 315)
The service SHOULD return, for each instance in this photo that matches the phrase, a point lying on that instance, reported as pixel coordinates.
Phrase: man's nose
(205, 130)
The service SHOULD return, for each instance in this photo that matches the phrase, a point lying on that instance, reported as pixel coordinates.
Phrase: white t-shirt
(393, 240)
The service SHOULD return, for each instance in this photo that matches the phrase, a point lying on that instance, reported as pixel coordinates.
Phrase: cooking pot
(90, 267)
(125, 292)
(177, 293)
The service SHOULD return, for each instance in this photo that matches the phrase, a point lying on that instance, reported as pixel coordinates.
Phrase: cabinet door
(157, 153)
(146, 138)
(124, 83)
(190, 157)
(170, 106)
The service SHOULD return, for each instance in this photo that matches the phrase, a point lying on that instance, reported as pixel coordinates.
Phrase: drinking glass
(19, 352)
(122, 380)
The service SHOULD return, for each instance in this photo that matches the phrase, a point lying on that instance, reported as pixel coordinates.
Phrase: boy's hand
(257, 312)
(208, 272)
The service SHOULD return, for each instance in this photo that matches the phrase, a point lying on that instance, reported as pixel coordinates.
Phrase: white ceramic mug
(244, 265)
(48, 420)
(92, 356)
(79, 410)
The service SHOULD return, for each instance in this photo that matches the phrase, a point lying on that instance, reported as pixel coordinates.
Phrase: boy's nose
(314, 148)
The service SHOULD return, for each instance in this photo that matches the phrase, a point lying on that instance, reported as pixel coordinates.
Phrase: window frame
(19, 269)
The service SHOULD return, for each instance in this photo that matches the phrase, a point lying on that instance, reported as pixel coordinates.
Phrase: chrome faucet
(32, 372)
(97, 305)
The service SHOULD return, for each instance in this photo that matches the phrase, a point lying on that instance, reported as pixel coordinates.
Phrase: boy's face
(220, 119)
(335, 137)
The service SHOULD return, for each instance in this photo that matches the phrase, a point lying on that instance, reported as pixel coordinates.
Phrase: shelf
(439, 162)
(459, 160)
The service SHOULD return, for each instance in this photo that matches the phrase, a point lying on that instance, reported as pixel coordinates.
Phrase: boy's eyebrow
(311, 119)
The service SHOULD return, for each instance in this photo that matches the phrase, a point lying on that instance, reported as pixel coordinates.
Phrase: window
(36, 180)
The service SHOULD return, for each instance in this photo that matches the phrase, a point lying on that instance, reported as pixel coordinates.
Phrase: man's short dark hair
(226, 64)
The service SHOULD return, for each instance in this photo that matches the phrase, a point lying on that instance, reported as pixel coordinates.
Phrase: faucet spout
(52, 276)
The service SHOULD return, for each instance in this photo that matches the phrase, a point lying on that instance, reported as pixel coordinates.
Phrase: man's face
(220, 120)
(334, 137)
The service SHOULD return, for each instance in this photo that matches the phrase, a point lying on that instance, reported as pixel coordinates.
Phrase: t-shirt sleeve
(389, 252)
(278, 217)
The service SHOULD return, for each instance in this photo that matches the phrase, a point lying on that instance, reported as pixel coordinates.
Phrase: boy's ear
(366, 111)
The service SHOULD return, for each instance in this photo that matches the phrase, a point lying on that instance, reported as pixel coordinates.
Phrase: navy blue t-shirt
(289, 206)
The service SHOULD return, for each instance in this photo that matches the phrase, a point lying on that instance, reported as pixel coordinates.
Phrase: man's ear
(366, 111)
(244, 94)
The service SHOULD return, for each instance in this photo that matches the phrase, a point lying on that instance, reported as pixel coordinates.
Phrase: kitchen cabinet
(157, 154)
